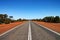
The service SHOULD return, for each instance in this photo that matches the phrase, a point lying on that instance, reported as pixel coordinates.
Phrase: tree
(1, 18)
(4, 18)
(46, 19)
(5, 15)
(7, 21)
(56, 19)
(10, 16)
(19, 19)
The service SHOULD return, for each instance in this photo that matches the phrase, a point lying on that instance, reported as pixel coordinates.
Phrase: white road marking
(29, 32)
(50, 30)
(9, 30)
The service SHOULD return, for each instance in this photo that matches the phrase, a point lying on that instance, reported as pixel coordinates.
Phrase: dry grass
(53, 26)
(5, 27)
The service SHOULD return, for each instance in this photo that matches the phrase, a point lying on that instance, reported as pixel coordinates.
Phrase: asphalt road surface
(30, 31)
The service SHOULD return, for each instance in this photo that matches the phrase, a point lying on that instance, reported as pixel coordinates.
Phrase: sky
(30, 9)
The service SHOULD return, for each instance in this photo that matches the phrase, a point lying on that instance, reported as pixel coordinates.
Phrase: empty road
(30, 31)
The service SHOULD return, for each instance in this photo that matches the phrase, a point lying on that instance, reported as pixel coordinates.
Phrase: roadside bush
(55, 19)
(7, 22)
(5, 19)
(48, 19)
(0, 22)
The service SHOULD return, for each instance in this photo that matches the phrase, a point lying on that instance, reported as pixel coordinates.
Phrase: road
(30, 31)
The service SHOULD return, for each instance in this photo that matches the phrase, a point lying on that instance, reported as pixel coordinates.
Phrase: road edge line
(10, 30)
(49, 29)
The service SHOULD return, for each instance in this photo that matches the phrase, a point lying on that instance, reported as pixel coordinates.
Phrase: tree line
(53, 19)
(5, 19)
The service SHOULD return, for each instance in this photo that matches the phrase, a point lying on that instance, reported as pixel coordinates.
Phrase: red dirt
(53, 26)
(5, 27)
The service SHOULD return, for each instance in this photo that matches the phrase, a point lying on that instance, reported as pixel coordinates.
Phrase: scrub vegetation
(5, 19)
(52, 19)
(51, 22)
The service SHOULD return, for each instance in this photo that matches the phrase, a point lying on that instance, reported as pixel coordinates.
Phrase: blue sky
(30, 9)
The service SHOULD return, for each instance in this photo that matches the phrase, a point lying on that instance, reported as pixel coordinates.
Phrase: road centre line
(29, 32)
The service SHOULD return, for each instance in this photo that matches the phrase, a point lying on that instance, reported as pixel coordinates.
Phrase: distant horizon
(30, 9)
(30, 19)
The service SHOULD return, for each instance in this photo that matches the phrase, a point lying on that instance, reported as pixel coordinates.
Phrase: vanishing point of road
(29, 31)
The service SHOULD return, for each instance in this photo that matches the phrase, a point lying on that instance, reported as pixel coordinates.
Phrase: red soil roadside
(5, 27)
(53, 26)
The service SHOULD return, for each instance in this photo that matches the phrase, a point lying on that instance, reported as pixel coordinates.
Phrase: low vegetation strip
(5, 27)
(53, 26)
